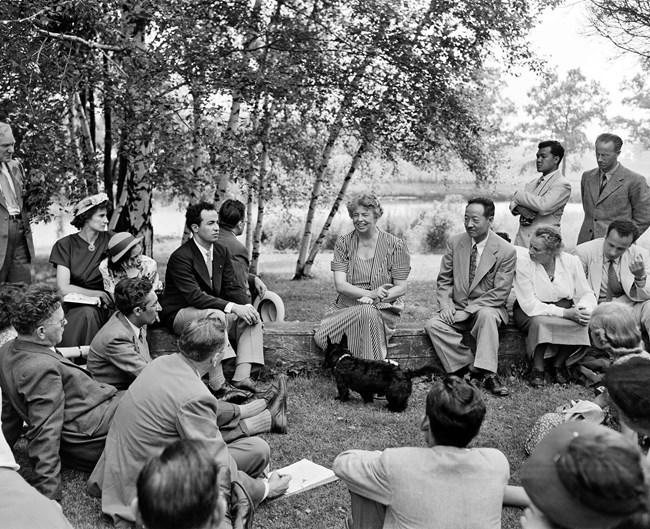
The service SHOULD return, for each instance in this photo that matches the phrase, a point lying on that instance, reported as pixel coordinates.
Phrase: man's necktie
(7, 192)
(210, 263)
(472, 263)
(614, 287)
(539, 182)
(603, 183)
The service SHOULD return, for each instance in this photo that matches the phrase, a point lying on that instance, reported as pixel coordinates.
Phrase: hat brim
(115, 258)
(270, 307)
(544, 487)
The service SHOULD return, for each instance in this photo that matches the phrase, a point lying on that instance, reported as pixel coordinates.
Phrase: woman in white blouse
(554, 304)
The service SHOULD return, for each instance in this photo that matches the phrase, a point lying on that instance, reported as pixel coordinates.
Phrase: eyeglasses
(60, 323)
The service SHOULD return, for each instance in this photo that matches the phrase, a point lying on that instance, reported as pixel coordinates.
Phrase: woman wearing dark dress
(76, 259)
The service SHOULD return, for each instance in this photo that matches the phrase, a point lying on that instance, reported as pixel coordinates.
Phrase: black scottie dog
(367, 377)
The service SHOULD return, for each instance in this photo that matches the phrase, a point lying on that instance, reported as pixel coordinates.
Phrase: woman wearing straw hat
(76, 259)
(124, 259)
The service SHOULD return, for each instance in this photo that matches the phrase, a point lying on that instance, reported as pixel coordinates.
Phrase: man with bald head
(16, 245)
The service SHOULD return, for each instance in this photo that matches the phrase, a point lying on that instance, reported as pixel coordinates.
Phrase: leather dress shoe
(248, 385)
(278, 407)
(494, 385)
(227, 393)
(242, 507)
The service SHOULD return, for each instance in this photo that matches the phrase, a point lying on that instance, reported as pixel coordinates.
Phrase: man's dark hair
(193, 213)
(202, 339)
(624, 228)
(231, 213)
(80, 220)
(455, 410)
(33, 306)
(606, 137)
(488, 205)
(130, 293)
(556, 148)
(178, 489)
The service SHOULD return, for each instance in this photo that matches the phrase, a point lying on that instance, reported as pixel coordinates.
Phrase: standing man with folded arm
(16, 244)
(542, 201)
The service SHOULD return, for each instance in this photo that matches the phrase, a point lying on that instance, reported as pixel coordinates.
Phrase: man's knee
(435, 324)
(487, 316)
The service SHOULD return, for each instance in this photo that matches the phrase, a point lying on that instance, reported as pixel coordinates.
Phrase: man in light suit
(119, 351)
(168, 401)
(542, 201)
(617, 269)
(476, 274)
(200, 282)
(612, 192)
(67, 412)
(16, 244)
(444, 484)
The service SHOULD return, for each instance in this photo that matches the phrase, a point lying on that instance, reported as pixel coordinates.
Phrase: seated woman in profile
(613, 329)
(554, 303)
(8, 292)
(370, 271)
(124, 259)
(583, 475)
(76, 259)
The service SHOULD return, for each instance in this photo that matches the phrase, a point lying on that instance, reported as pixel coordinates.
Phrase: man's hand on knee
(247, 313)
(448, 316)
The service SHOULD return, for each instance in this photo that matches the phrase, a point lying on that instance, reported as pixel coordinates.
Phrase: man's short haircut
(33, 306)
(488, 205)
(624, 228)
(231, 213)
(131, 293)
(606, 137)
(193, 213)
(455, 410)
(202, 339)
(178, 489)
(556, 148)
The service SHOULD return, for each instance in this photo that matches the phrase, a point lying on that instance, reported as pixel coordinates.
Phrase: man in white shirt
(617, 269)
(200, 282)
(16, 245)
(542, 201)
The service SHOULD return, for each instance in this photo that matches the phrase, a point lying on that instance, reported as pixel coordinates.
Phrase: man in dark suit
(231, 225)
(67, 412)
(474, 282)
(119, 351)
(612, 192)
(16, 245)
(200, 282)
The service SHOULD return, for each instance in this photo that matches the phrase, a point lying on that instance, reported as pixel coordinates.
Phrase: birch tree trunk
(335, 131)
(356, 160)
(264, 167)
(92, 176)
(198, 167)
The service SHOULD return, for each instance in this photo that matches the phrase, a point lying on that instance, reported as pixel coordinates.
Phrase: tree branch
(74, 38)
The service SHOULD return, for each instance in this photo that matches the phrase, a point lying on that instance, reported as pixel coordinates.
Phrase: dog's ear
(329, 343)
(344, 340)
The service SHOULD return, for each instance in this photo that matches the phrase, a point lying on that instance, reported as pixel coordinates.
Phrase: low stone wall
(289, 347)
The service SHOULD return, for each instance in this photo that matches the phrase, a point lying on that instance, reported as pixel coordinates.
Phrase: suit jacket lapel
(615, 181)
(548, 182)
(4, 165)
(593, 182)
(486, 262)
(136, 338)
(464, 249)
(199, 263)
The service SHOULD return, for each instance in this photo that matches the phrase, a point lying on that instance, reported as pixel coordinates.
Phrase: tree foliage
(562, 109)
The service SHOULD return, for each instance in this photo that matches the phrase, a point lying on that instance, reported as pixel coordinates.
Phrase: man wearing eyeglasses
(612, 192)
(119, 351)
(67, 412)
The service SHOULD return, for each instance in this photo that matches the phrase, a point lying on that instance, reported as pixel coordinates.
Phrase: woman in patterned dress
(370, 268)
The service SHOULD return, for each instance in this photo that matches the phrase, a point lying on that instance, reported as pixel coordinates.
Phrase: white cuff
(266, 489)
(228, 308)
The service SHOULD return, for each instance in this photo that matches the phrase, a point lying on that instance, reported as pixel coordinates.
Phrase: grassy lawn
(320, 427)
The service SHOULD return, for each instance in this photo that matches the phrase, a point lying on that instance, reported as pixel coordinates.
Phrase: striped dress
(367, 327)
